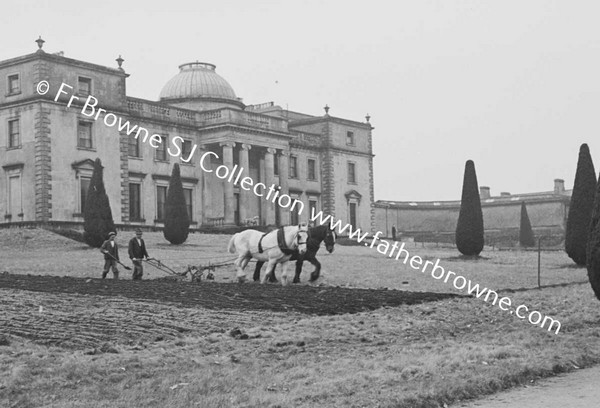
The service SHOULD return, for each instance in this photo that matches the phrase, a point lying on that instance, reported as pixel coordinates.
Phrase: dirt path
(575, 390)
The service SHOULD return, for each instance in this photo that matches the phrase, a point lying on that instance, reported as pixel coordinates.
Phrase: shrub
(593, 245)
(526, 238)
(469, 229)
(580, 208)
(177, 220)
(97, 216)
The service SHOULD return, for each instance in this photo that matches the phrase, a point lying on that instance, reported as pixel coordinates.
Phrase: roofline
(327, 118)
(515, 199)
(61, 60)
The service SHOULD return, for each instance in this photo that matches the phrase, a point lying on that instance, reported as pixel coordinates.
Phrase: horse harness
(280, 243)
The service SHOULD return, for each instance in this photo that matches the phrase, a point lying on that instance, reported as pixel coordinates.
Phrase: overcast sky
(512, 85)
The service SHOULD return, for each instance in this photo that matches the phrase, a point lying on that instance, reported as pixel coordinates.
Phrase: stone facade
(436, 221)
(47, 149)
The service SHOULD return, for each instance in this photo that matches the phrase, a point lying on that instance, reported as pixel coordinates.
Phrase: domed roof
(197, 80)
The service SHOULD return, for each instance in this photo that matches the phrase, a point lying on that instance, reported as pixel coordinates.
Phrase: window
(312, 173)
(294, 218)
(14, 84)
(186, 149)
(84, 135)
(15, 205)
(353, 214)
(187, 193)
(276, 165)
(312, 207)
(135, 203)
(14, 134)
(161, 150)
(84, 186)
(134, 146)
(351, 172)
(85, 86)
(350, 138)
(161, 199)
(293, 167)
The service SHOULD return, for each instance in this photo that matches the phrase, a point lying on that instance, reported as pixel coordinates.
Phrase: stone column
(262, 203)
(206, 190)
(284, 170)
(227, 186)
(269, 181)
(244, 195)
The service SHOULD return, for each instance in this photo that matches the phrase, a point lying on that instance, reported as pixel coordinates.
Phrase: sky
(512, 85)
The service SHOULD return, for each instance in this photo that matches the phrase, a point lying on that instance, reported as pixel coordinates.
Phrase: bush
(593, 245)
(580, 208)
(526, 238)
(469, 229)
(97, 216)
(177, 220)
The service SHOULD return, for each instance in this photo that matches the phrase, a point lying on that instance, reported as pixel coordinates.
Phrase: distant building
(436, 220)
(47, 149)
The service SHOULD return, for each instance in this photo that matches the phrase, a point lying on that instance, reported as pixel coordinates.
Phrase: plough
(196, 272)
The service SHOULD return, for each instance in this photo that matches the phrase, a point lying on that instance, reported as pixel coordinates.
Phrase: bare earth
(576, 390)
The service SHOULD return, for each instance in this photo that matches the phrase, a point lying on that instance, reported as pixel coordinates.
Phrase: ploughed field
(79, 312)
(52, 295)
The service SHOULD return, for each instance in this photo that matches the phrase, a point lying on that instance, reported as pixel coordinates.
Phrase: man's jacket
(112, 250)
(136, 250)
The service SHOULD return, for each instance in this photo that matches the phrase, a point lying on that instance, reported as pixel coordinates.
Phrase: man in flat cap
(111, 255)
(137, 252)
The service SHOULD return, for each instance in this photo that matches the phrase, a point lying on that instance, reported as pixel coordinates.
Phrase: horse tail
(231, 246)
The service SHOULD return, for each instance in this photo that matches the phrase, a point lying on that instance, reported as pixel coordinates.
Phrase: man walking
(111, 255)
(137, 251)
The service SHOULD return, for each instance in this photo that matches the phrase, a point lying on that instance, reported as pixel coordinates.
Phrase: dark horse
(315, 236)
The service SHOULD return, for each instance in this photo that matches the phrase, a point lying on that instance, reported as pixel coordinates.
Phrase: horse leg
(317, 272)
(299, 263)
(271, 275)
(270, 269)
(284, 274)
(241, 275)
(259, 265)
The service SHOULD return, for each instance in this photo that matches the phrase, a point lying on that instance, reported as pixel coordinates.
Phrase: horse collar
(282, 244)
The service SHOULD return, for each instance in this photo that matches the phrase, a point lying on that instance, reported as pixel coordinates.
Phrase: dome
(197, 80)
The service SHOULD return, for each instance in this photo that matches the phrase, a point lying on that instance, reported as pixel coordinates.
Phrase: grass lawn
(426, 355)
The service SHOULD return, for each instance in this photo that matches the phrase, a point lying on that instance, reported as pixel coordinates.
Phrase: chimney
(559, 186)
(504, 194)
(484, 192)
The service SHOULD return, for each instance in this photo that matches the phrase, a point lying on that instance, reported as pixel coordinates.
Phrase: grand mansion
(48, 146)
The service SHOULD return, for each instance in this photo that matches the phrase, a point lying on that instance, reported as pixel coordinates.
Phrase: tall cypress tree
(580, 208)
(593, 245)
(526, 238)
(469, 229)
(97, 216)
(177, 221)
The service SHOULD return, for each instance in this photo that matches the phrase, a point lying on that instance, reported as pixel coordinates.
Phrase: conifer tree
(469, 229)
(97, 216)
(177, 221)
(593, 245)
(580, 208)
(526, 238)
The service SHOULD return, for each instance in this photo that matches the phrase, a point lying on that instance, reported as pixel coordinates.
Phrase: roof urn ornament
(40, 44)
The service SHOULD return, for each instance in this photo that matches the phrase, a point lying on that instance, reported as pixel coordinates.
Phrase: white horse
(246, 244)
